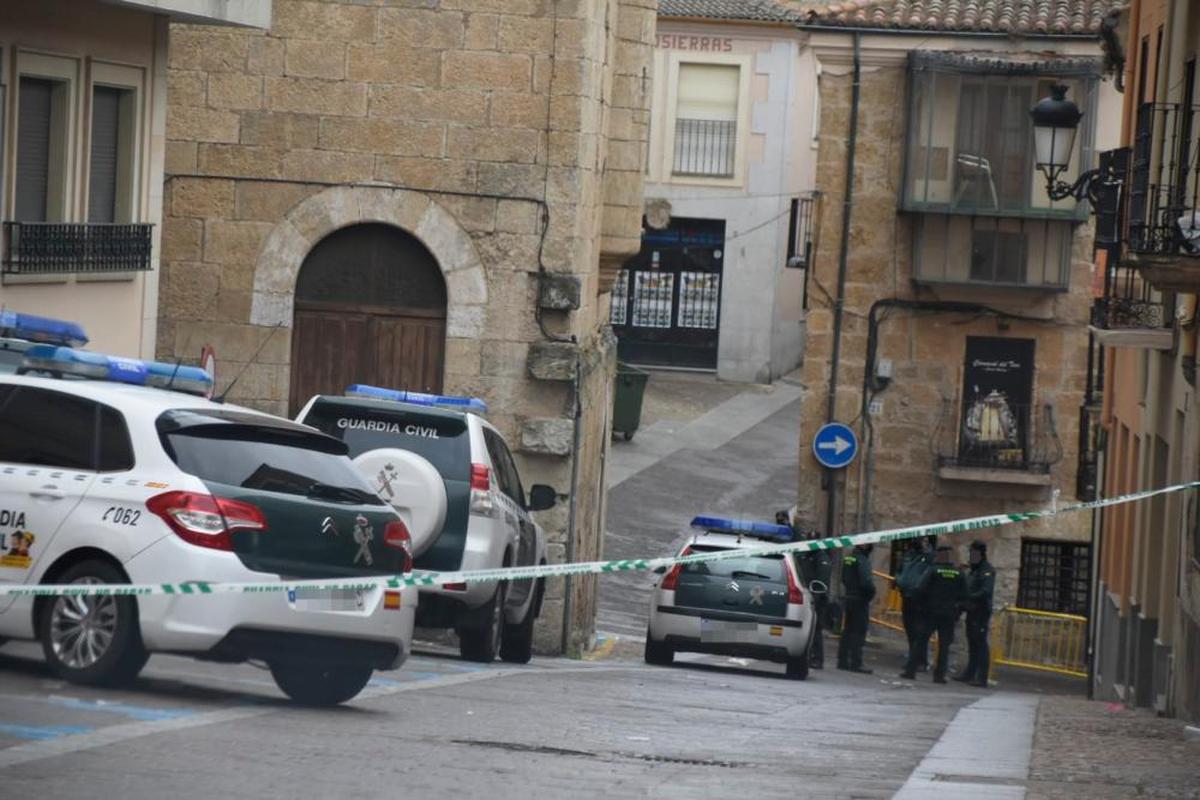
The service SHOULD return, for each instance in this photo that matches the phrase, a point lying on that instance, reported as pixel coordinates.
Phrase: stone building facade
(435, 198)
(965, 301)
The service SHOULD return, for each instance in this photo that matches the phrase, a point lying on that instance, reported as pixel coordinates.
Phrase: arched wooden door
(370, 308)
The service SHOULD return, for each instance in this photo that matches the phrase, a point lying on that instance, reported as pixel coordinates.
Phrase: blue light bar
(41, 329)
(417, 398)
(759, 530)
(101, 367)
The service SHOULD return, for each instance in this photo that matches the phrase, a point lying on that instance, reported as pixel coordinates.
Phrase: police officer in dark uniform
(981, 584)
(858, 589)
(815, 566)
(943, 602)
(917, 560)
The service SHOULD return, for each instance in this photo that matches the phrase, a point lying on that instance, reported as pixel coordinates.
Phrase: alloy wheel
(82, 627)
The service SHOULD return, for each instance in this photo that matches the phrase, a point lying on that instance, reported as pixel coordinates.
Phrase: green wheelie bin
(627, 399)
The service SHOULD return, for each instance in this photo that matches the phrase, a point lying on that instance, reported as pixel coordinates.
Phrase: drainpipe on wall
(840, 300)
(568, 588)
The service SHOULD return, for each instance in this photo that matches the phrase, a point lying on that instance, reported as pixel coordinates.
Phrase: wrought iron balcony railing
(1164, 181)
(994, 434)
(46, 248)
(705, 147)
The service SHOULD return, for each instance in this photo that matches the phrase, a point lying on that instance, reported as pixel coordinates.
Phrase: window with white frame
(706, 120)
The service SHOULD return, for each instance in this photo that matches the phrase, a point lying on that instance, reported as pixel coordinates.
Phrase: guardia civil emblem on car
(385, 478)
(364, 533)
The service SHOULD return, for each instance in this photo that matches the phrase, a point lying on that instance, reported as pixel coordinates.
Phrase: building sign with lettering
(700, 44)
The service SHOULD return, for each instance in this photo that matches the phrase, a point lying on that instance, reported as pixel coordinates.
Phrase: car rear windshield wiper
(741, 573)
(341, 494)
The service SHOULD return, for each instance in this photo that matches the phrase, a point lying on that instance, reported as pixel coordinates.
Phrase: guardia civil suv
(114, 471)
(451, 477)
(750, 605)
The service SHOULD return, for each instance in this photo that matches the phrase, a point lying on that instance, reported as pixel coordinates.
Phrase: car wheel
(89, 639)
(320, 684)
(658, 653)
(516, 645)
(798, 667)
(482, 641)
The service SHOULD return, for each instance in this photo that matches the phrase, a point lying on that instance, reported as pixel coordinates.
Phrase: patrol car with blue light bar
(68, 362)
(108, 477)
(20, 331)
(454, 481)
(752, 606)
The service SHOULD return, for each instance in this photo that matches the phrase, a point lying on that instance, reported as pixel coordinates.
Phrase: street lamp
(1055, 123)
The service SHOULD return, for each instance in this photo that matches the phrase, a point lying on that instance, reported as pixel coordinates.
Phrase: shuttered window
(106, 154)
(706, 120)
(35, 112)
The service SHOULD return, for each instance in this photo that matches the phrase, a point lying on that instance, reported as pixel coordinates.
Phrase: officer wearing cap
(981, 585)
(858, 589)
(943, 602)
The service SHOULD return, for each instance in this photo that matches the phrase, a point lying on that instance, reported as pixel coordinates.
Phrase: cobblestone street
(1104, 751)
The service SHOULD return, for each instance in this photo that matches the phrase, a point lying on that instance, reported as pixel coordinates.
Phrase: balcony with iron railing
(55, 248)
(994, 441)
(1163, 205)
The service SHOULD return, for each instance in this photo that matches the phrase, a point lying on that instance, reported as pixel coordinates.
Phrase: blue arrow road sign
(835, 445)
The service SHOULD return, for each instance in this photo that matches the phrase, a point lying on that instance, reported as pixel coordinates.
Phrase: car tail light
(396, 535)
(455, 587)
(204, 520)
(795, 595)
(671, 579)
(481, 490)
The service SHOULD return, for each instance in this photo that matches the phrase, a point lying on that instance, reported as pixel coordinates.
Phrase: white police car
(452, 478)
(113, 471)
(753, 605)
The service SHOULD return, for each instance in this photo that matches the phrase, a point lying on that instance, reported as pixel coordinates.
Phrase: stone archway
(311, 221)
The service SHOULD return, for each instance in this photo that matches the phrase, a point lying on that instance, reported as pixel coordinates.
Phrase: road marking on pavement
(40, 732)
(984, 753)
(87, 739)
(139, 713)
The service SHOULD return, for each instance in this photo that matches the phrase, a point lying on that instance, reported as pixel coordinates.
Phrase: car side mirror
(542, 497)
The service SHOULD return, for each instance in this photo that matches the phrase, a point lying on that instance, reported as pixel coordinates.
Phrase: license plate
(327, 599)
(714, 630)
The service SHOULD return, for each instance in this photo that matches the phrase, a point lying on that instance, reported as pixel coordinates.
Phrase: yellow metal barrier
(885, 610)
(1040, 640)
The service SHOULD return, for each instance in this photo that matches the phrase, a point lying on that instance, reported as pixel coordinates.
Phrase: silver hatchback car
(754, 606)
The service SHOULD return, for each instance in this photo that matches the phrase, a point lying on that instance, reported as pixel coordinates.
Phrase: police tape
(422, 579)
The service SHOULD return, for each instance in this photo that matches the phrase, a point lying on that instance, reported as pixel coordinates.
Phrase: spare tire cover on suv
(413, 487)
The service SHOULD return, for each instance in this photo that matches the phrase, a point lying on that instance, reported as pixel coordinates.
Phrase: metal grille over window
(801, 228)
(620, 299)
(699, 299)
(48, 248)
(1054, 576)
(706, 120)
(652, 294)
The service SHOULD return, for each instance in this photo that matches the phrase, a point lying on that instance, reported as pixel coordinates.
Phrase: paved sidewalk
(1104, 751)
(695, 412)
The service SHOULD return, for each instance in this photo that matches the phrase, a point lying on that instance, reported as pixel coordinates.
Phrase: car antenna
(221, 397)
(174, 372)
